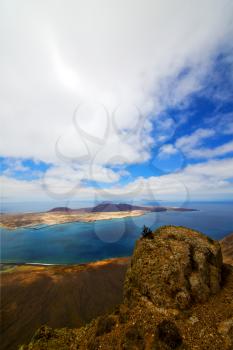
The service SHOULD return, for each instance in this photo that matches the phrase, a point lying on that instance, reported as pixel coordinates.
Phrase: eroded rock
(177, 268)
(225, 328)
(169, 334)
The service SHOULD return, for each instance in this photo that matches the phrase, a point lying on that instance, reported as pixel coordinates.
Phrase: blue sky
(155, 114)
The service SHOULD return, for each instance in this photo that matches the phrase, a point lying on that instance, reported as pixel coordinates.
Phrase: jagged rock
(177, 268)
(104, 325)
(193, 319)
(44, 332)
(225, 328)
(169, 334)
(133, 339)
(227, 249)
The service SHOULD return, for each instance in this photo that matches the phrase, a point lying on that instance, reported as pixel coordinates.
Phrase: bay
(77, 242)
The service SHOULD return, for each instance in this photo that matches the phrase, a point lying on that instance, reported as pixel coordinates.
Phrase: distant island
(60, 215)
(111, 207)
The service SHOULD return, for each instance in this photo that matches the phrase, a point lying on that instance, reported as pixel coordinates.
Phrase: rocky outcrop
(227, 249)
(174, 268)
(177, 295)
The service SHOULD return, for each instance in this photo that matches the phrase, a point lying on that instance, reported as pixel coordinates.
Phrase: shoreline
(41, 220)
(226, 245)
(32, 220)
(102, 262)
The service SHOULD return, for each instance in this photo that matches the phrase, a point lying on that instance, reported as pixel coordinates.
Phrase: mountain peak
(60, 209)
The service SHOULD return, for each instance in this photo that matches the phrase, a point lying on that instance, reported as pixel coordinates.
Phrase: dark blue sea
(83, 242)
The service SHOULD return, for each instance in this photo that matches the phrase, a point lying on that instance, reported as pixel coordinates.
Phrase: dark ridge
(111, 207)
(60, 209)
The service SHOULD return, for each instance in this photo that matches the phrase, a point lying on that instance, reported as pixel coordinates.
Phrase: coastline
(226, 245)
(23, 283)
(31, 220)
(40, 220)
(15, 265)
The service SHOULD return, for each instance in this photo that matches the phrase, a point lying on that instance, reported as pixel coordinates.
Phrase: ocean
(74, 243)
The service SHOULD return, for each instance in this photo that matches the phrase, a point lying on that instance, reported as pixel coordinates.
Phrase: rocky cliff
(227, 249)
(177, 295)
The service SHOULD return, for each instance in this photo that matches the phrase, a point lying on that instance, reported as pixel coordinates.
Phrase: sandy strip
(14, 221)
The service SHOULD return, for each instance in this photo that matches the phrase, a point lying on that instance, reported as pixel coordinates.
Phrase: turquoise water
(83, 242)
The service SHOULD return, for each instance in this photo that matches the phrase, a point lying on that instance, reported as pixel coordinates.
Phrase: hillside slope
(60, 296)
(177, 295)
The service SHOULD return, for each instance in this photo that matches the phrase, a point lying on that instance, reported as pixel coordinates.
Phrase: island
(61, 215)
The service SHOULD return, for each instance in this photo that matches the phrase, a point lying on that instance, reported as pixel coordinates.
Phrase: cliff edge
(227, 248)
(177, 295)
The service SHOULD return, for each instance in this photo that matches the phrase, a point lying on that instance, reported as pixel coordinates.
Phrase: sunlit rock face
(174, 268)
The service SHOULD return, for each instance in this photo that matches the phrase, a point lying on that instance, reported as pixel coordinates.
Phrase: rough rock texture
(227, 248)
(174, 269)
(225, 329)
(178, 295)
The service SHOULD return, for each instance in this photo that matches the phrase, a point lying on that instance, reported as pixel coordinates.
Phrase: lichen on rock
(177, 268)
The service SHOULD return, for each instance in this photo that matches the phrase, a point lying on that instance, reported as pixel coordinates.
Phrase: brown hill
(60, 209)
(177, 295)
(60, 296)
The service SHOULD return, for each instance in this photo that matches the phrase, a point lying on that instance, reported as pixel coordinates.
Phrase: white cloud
(167, 150)
(226, 124)
(223, 123)
(192, 145)
(224, 149)
(64, 179)
(209, 180)
(55, 55)
(188, 142)
(14, 165)
(109, 57)
(219, 169)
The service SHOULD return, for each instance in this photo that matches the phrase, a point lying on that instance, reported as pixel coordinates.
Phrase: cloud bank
(123, 64)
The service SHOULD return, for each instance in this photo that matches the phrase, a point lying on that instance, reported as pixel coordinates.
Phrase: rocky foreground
(177, 295)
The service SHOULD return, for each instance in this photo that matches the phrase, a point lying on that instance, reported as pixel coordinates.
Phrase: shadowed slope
(60, 296)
